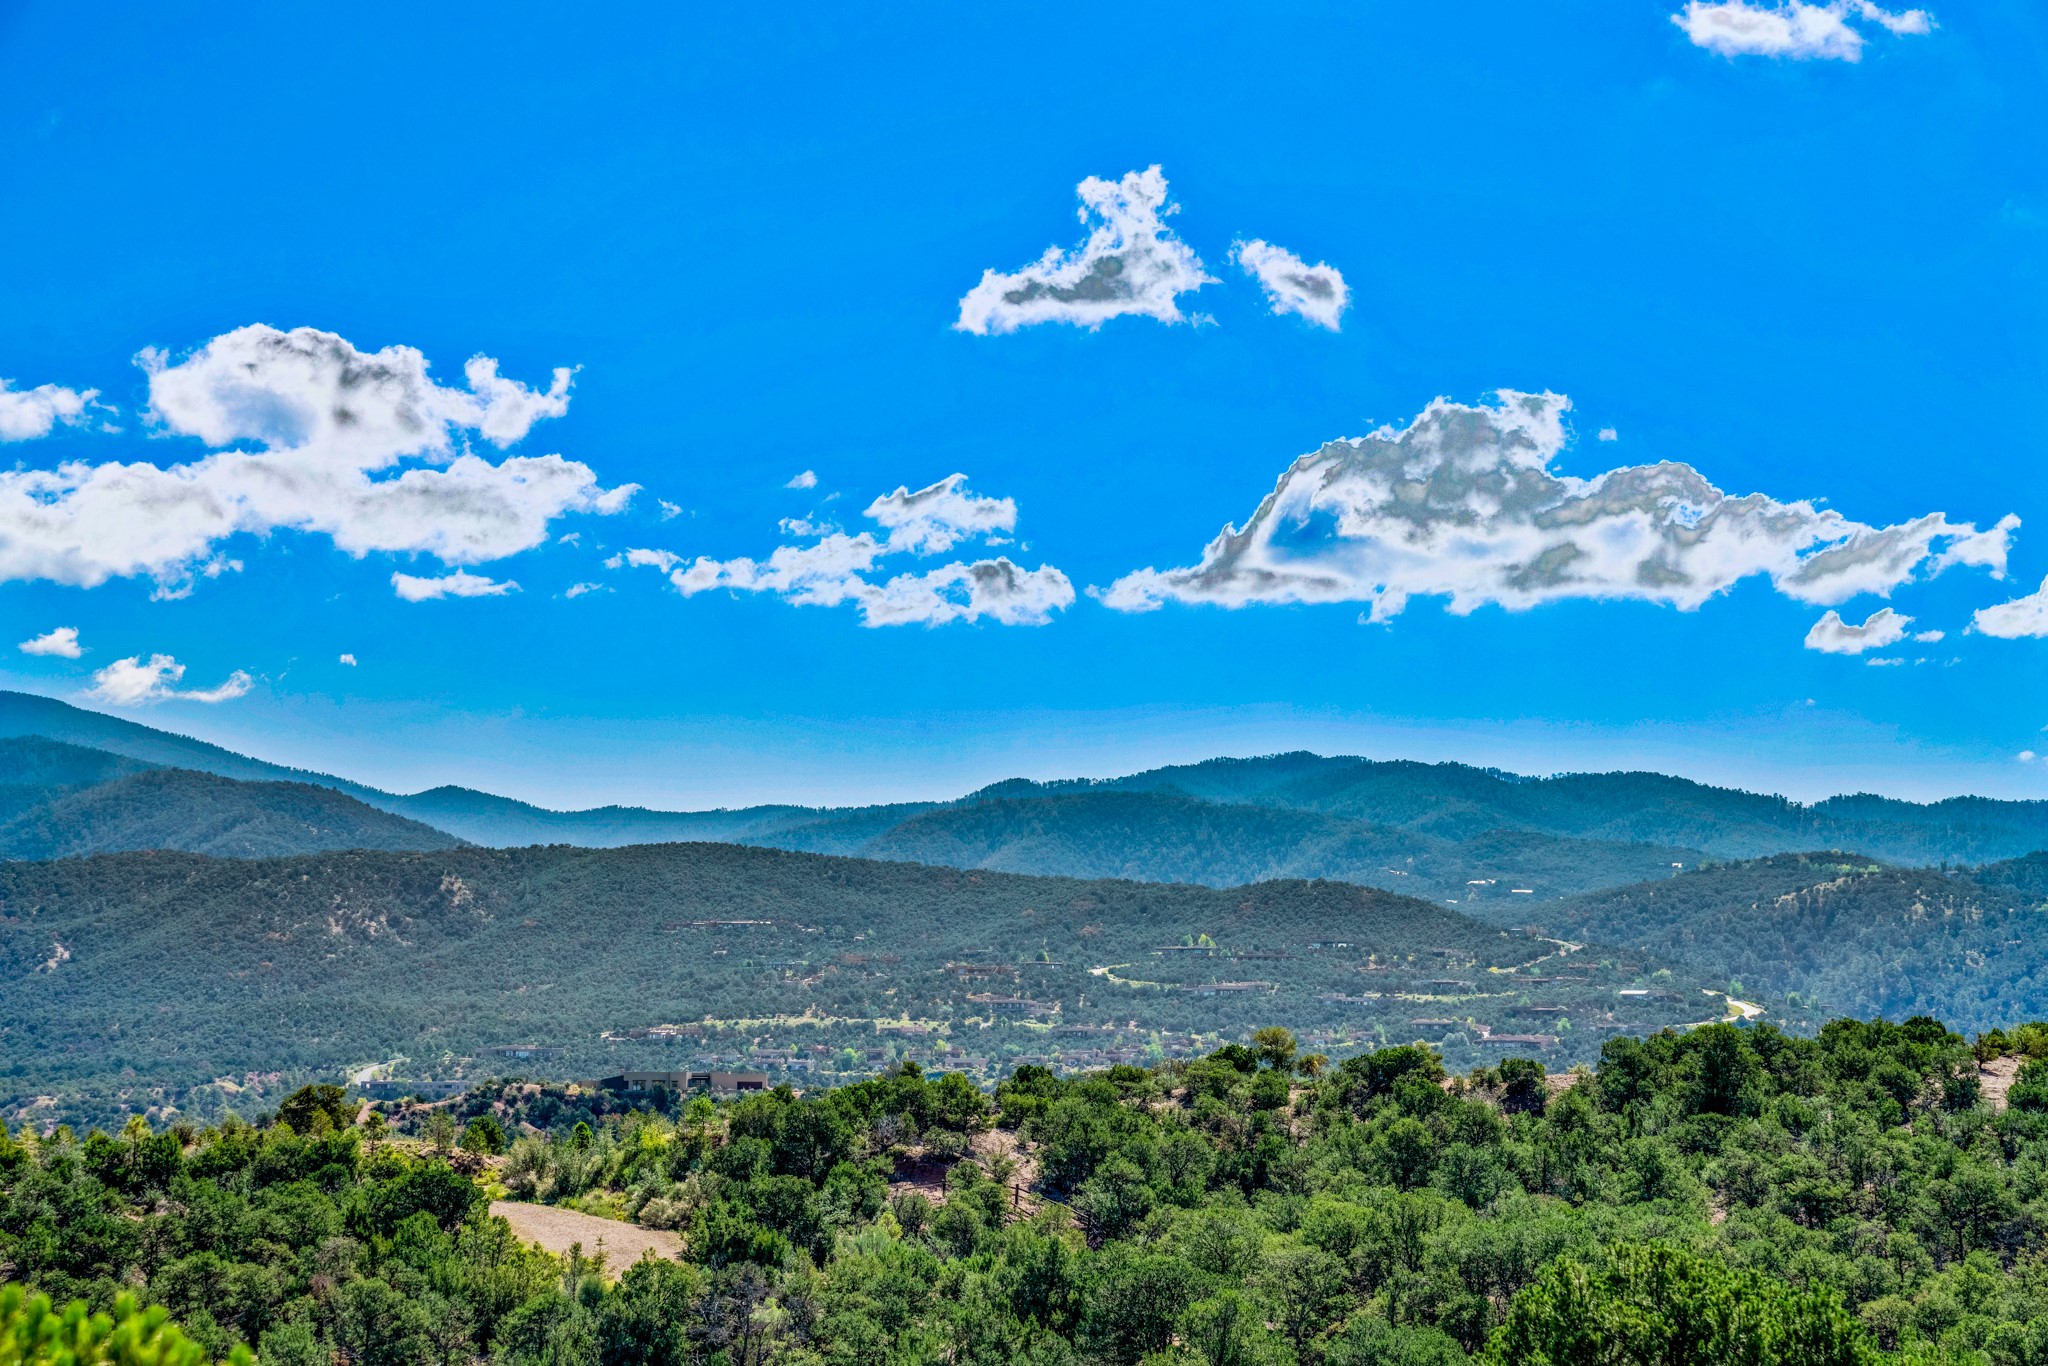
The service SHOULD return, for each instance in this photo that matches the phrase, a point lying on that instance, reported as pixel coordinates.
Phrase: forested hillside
(170, 808)
(130, 980)
(1724, 1197)
(1837, 932)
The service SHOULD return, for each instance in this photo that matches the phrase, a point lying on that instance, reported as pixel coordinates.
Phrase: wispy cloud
(1793, 30)
(2020, 618)
(460, 584)
(28, 414)
(132, 683)
(806, 480)
(1131, 266)
(1316, 292)
(62, 642)
(837, 568)
(362, 447)
(1832, 635)
(1463, 504)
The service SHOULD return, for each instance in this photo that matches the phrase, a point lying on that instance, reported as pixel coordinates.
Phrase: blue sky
(1818, 280)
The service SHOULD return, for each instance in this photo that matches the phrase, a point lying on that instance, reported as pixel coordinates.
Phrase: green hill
(170, 808)
(1840, 932)
(124, 972)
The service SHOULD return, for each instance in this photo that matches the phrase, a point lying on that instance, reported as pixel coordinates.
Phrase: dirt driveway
(555, 1229)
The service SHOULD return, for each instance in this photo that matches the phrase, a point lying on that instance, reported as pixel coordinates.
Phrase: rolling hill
(1842, 934)
(171, 808)
(174, 978)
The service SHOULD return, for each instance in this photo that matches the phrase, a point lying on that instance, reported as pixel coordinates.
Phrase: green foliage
(1661, 1306)
(316, 1109)
(33, 1333)
(1719, 1195)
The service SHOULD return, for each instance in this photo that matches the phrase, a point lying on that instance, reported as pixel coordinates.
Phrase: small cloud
(2022, 617)
(1832, 635)
(131, 683)
(1316, 292)
(1884, 663)
(1928, 637)
(460, 584)
(62, 642)
(349, 660)
(669, 511)
(1609, 434)
(807, 480)
(569, 538)
(1793, 30)
(28, 414)
(1130, 266)
(577, 590)
(838, 568)
(2027, 756)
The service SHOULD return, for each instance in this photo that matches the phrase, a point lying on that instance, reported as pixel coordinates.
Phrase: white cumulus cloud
(1794, 29)
(27, 414)
(460, 584)
(1463, 504)
(1317, 292)
(61, 642)
(837, 568)
(349, 660)
(362, 447)
(1832, 635)
(1131, 265)
(806, 480)
(131, 683)
(2027, 616)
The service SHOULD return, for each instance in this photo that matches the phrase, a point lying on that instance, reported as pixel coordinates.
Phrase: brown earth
(555, 1229)
(1995, 1077)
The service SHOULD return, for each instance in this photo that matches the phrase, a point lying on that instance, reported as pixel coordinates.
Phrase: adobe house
(714, 1083)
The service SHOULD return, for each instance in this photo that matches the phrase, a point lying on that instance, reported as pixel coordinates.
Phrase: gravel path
(555, 1229)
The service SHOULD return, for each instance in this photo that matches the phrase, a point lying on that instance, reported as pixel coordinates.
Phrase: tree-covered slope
(1167, 837)
(129, 971)
(1840, 932)
(171, 808)
(33, 770)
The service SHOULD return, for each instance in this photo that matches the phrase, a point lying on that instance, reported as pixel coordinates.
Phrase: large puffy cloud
(1795, 30)
(837, 568)
(26, 414)
(1463, 504)
(1317, 292)
(1832, 635)
(1131, 264)
(130, 682)
(362, 447)
(2027, 616)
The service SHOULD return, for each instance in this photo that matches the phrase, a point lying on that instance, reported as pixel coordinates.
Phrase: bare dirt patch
(555, 1230)
(1995, 1078)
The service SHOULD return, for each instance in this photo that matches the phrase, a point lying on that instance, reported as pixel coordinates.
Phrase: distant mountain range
(176, 916)
(1446, 831)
